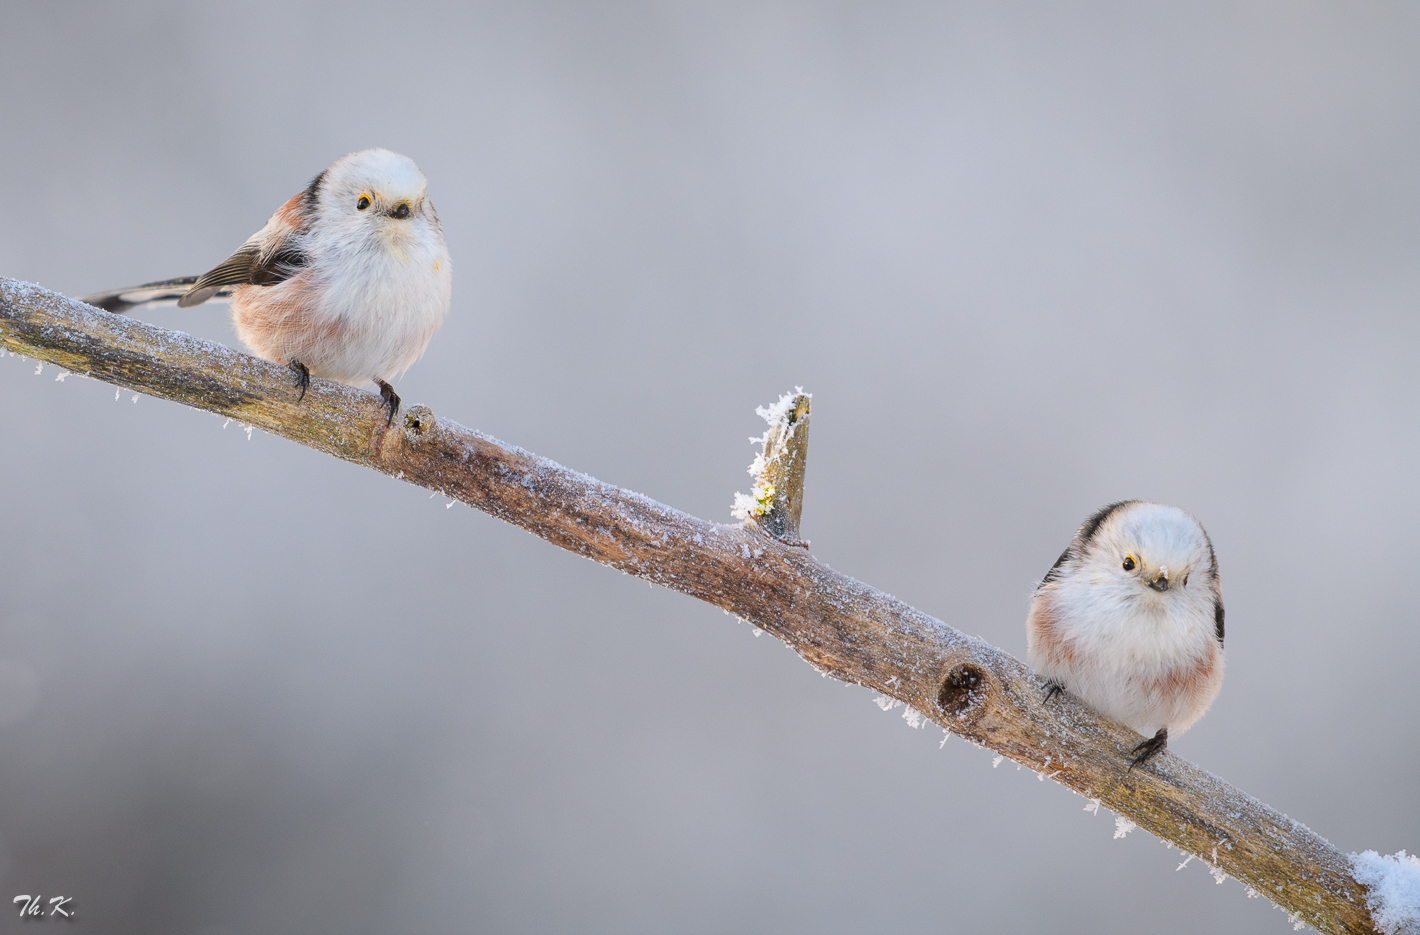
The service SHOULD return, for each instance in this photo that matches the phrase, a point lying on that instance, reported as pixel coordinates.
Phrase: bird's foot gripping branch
(758, 570)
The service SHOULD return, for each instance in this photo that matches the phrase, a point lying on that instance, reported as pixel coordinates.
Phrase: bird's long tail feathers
(150, 293)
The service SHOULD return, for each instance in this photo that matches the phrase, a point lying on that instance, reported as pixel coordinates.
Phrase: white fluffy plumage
(348, 280)
(1130, 620)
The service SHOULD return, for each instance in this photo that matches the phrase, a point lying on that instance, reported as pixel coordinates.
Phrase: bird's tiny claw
(1052, 688)
(391, 400)
(1149, 748)
(303, 377)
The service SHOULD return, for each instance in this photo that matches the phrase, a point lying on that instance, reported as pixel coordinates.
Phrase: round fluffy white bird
(1130, 620)
(348, 280)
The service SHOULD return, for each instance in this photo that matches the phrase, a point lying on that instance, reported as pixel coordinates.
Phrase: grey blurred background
(1029, 259)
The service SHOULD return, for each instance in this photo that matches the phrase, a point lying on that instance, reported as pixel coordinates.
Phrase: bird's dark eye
(363, 203)
(400, 212)
(1128, 563)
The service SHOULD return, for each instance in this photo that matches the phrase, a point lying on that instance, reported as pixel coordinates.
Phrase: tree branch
(757, 570)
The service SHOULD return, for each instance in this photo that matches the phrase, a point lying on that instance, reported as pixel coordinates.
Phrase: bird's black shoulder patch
(1054, 571)
(1092, 525)
(1218, 619)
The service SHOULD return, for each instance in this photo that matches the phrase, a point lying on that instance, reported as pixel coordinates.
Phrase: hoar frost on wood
(776, 499)
(757, 570)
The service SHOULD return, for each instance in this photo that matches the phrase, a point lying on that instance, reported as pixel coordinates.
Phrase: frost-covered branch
(757, 570)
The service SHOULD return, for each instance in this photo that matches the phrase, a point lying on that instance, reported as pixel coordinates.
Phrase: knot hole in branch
(417, 421)
(964, 686)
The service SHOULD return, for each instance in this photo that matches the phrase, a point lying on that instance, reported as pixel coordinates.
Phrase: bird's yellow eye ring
(363, 203)
(1129, 563)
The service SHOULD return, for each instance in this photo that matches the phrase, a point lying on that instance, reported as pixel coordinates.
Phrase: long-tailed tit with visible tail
(348, 280)
(1130, 620)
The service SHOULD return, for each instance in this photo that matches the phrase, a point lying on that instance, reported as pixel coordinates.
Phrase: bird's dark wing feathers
(1217, 597)
(284, 262)
(235, 270)
(248, 266)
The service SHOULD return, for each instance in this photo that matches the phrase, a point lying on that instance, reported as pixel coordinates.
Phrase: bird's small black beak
(1161, 583)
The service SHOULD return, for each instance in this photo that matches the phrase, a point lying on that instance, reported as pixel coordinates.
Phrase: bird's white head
(1149, 546)
(375, 195)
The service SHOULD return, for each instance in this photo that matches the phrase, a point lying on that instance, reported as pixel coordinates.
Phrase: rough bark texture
(840, 625)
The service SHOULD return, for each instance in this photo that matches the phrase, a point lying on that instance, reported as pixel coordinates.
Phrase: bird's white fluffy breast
(389, 298)
(1145, 668)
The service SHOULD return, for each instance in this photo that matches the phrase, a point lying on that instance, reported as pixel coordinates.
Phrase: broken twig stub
(776, 500)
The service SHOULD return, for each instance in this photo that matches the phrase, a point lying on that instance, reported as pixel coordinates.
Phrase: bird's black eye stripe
(1093, 524)
(363, 203)
(312, 192)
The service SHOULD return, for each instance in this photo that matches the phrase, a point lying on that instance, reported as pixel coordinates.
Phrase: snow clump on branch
(1394, 884)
